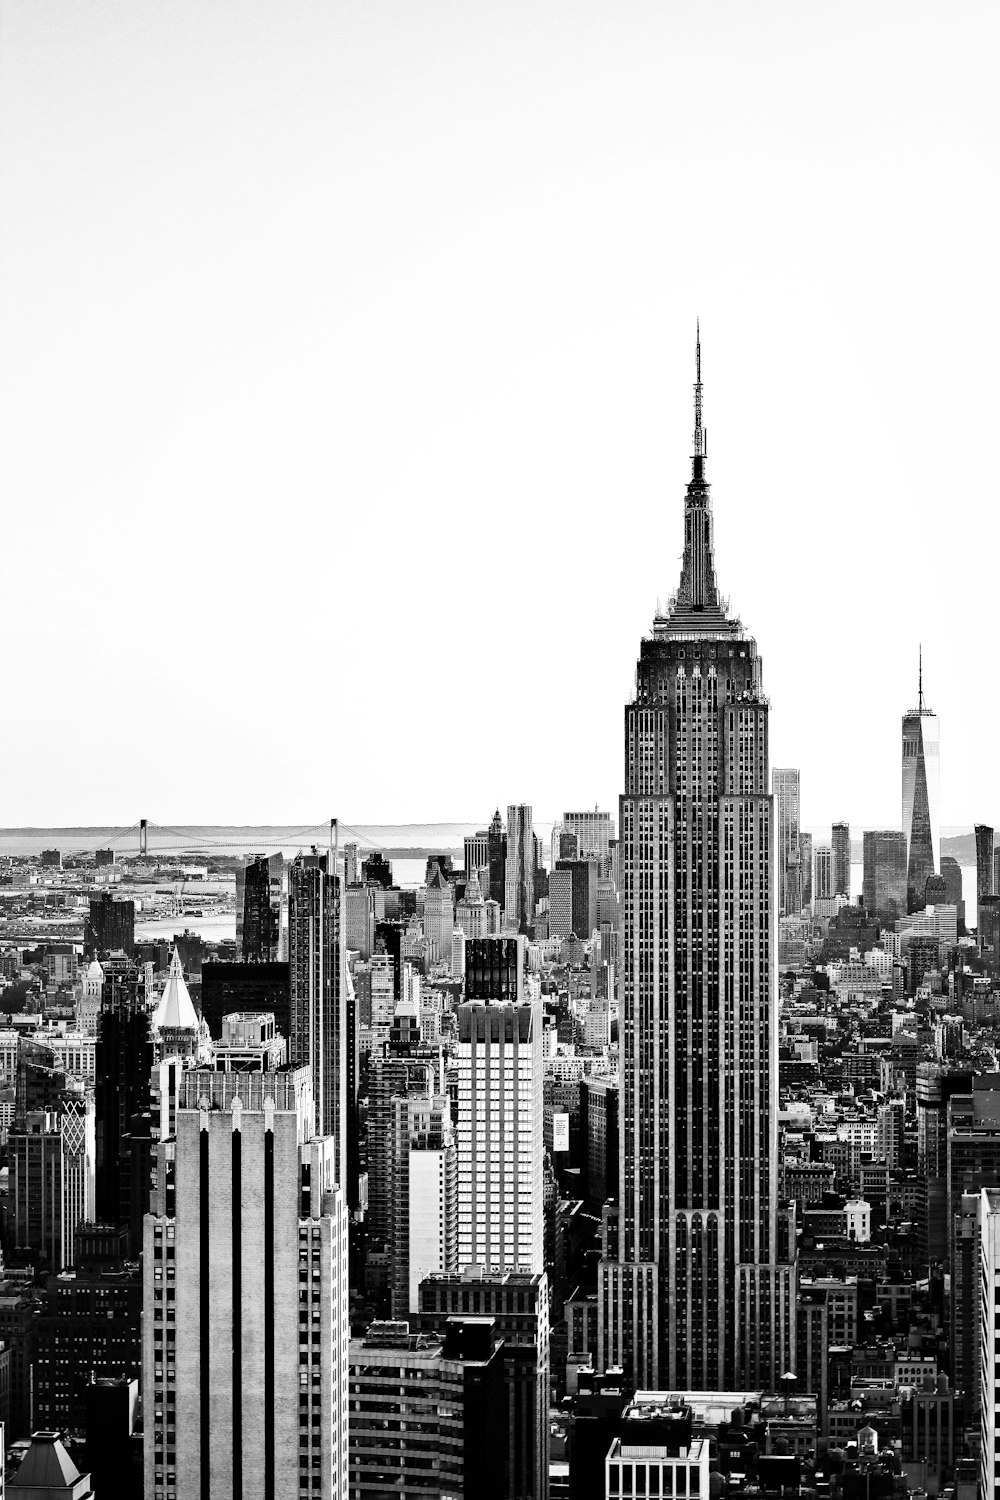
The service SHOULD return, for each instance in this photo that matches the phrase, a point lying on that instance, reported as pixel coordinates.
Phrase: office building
(446, 1394)
(109, 928)
(359, 917)
(519, 889)
(125, 1058)
(593, 832)
(470, 912)
(921, 796)
(561, 903)
(423, 1196)
(52, 1155)
(477, 852)
(494, 970)
(699, 1295)
(599, 1138)
(245, 1331)
(88, 1327)
(884, 880)
(985, 873)
(785, 791)
(496, 843)
(258, 909)
(584, 876)
(317, 1035)
(518, 1303)
(841, 846)
(245, 987)
(439, 913)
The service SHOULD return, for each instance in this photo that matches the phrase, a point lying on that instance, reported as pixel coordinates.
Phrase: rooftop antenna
(699, 431)
(920, 705)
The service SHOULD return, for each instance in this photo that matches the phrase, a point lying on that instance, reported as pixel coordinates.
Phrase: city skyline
(156, 433)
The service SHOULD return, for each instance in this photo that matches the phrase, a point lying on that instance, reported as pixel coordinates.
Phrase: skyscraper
(496, 843)
(984, 862)
(823, 867)
(318, 1031)
(519, 899)
(125, 1056)
(921, 796)
(245, 1335)
(700, 1295)
(884, 886)
(500, 1142)
(806, 868)
(258, 909)
(785, 789)
(841, 843)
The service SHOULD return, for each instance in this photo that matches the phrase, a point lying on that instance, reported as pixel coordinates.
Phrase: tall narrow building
(318, 1029)
(700, 1295)
(519, 899)
(785, 787)
(841, 844)
(985, 872)
(921, 796)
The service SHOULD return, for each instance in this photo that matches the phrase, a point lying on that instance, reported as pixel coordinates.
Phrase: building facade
(317, 961)
(785, 789)
(699, 1294)
(884, 881)
(519, 897)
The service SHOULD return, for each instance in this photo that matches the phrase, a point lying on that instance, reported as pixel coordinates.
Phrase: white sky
(345, 378)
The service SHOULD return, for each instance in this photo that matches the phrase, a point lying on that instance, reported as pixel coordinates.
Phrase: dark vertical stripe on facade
(268, 1315)
(204, 1271)
(237, 1316)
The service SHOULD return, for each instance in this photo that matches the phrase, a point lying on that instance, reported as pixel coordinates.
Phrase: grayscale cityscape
(641, 1150)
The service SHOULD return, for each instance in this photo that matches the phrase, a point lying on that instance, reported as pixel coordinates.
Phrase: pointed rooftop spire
(698, 457)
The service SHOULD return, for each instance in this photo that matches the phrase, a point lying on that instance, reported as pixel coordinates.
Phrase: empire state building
(697, 1284)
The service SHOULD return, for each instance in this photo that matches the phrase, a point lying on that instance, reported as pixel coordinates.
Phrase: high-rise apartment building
(258, 909)
(984, 862)
(593, 832)
(423, 1231)
(841, 845)
(700, 1294)
(500, 1133)
(785, 790)
(245, 1310)
(561, 903)
(823, 867)
(921, 797)
(519, 897)
(884, 881)
(318, 1030)
(806, 869)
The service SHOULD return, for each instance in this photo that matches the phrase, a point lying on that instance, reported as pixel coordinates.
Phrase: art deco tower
(921, 796)
(698, 1294)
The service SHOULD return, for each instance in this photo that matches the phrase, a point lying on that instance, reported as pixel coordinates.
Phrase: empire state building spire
(697, 604)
